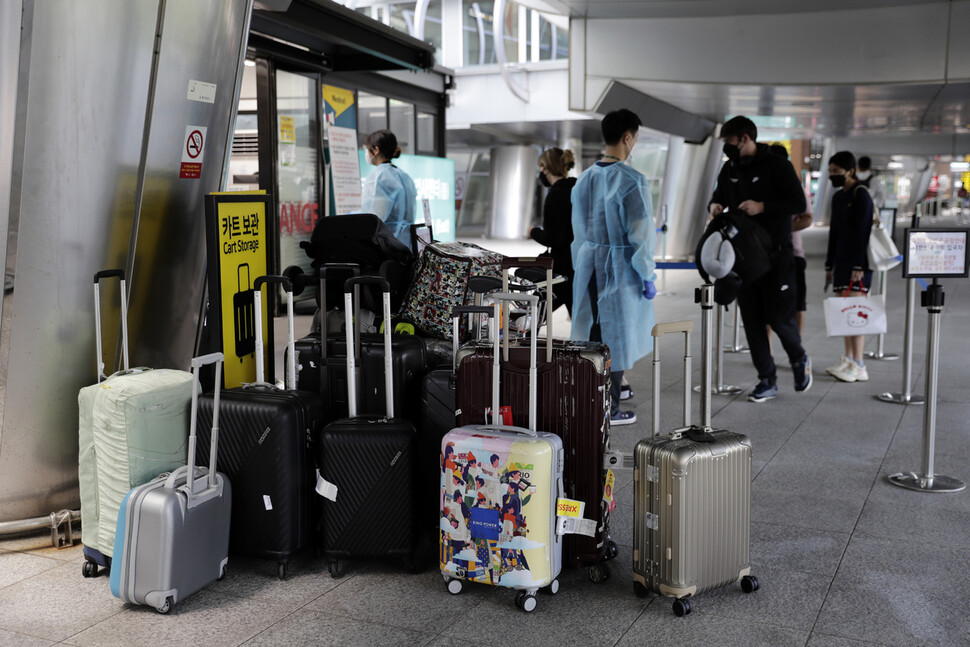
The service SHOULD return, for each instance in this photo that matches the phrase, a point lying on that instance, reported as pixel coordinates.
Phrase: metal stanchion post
(736, 347)
(927, 481)
(878, 353)
(905, 396)
(718, 387)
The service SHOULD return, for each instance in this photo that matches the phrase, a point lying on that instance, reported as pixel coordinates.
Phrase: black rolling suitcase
(321, 367)
(265, 449)
(367, 470)
(436, 417)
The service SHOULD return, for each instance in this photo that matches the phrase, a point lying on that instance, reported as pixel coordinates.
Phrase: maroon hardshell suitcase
(573, 401)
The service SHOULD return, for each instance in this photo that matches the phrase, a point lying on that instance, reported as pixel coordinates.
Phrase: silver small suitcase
(172, 537)
(692, 496)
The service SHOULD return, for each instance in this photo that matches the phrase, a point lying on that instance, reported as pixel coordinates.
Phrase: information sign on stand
(933, 254)
(238, 253)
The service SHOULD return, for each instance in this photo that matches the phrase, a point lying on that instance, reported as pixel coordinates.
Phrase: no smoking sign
(192, 149)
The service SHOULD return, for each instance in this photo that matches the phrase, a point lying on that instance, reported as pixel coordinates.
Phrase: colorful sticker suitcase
(573, 402)
(172, 537)
(691, 494)
(500, 486)
(266, 451)
(131, 426)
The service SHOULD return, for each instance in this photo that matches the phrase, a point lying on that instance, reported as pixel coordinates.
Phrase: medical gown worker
(612, 251)
(388, 192)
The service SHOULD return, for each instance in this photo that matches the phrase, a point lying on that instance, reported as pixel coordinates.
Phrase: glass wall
(298, 168)
(529, 35)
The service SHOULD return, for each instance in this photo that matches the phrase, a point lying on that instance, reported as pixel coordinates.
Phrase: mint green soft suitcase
(132, 426)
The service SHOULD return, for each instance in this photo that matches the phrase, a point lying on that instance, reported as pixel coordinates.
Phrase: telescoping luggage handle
(104, 274)
(287, 285)
(352, 351)
(542, 262)
(456, 314)
(322, 275)
(193, 497)
(659, 330)
(496, 364)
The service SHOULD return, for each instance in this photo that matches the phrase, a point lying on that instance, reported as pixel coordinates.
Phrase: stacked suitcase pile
(479, 454)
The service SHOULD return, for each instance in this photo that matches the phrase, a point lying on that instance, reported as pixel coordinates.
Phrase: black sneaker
(765, 390)
(803, 374)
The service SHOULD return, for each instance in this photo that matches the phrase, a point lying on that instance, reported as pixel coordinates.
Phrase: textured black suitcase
(436, 417)
(265, 449)
(321, 368)
(573, 402)
(367, 470)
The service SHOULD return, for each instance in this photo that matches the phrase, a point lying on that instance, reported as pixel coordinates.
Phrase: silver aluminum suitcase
(172, 537)
(692, 495)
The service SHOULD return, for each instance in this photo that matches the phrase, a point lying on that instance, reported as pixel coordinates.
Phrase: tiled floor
(845, 559)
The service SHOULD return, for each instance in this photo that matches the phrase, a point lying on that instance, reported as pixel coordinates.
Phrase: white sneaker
(861, 373)
(845, 372)
(841, 366)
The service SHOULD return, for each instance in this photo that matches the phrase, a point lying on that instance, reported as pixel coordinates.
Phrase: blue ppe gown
(613, 244)
(390, 194)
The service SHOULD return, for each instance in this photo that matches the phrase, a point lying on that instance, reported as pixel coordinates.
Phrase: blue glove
(649, 291)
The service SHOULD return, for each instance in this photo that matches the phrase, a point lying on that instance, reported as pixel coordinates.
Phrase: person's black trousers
(595, 334)
(771, 301)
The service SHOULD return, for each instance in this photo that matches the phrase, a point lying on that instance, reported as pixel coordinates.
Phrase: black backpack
(753, 249)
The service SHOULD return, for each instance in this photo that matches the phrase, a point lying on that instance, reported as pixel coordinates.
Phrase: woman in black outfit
(847, 264)
(556, 232)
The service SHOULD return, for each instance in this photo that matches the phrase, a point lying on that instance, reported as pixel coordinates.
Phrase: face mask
(863, 175)
(543, 180)
(732, 152)
(837, 180)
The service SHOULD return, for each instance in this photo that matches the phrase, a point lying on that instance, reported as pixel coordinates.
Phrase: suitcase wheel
(454, 587)
(281, 571)
(89, 569)
(612, 550)
(599, 573)
(526, 601)
(750, 584)
(682, 607)
(225, 569)
(334, 569)
(553, 587)
(640, 590)
(165, 608)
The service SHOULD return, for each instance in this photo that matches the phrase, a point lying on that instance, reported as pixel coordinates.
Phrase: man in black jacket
(765, 187)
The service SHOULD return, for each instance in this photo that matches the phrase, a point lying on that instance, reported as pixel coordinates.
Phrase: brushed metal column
(83, 83)
(512, 184)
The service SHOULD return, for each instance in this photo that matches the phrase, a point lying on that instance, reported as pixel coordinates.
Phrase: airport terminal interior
(124, 127)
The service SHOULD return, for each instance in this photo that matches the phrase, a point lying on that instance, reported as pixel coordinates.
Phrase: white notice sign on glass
(345, 169)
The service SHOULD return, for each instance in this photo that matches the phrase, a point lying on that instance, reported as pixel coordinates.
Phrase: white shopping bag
(848, 316)
(882, 252)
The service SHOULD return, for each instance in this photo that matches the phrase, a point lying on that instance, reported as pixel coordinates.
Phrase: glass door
(297, 164)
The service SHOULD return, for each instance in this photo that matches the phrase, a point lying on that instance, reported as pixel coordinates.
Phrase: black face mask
(837, 180)
(543, 180)
(732, 152)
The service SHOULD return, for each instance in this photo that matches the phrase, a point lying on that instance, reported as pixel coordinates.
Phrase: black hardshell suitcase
(322, 368)
(573, 401)
(436, 417)
(266, 451)
(367, 470)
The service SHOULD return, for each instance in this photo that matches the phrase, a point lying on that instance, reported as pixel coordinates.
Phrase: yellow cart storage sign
(236, 237)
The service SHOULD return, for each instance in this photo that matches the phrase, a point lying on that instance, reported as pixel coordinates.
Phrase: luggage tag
(570, 520)
(325, 488)
(608, 491)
